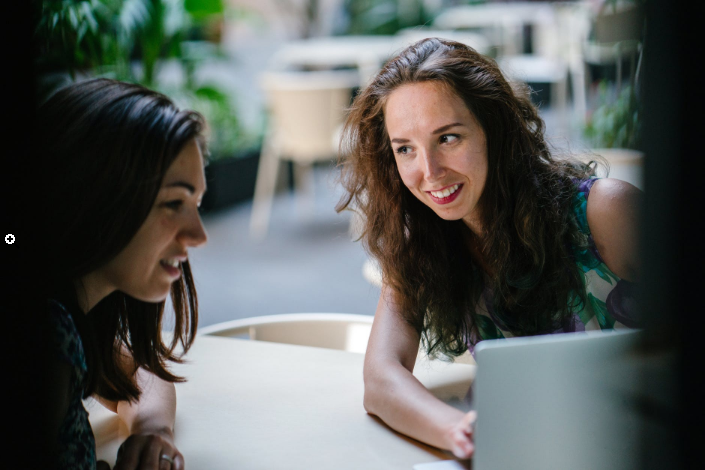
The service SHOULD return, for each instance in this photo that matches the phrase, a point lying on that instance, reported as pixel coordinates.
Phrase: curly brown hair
(526, 207)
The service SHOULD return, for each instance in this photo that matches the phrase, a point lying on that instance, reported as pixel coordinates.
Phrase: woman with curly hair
(479, 231)
(122, 179)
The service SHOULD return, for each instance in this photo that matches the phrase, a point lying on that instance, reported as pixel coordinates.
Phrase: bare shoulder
(613, 216)
(610, 197)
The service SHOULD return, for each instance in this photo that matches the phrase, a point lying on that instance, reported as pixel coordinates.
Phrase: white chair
(531, 68)
(545, 64)
(342, 331)
(501, 22)
(556, 38)
(306, 110)
(618, 32)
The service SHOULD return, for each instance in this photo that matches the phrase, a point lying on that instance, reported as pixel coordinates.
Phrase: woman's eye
(403, 150)
(448, 138)
(175, 205)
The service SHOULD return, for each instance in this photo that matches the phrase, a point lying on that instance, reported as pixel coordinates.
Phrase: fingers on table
(128, 455)
(463, 446)
(158, 454)
(469, 419)
(148, 453)
(179, 462)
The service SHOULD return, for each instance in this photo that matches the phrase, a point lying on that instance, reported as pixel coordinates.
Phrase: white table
(258, 405)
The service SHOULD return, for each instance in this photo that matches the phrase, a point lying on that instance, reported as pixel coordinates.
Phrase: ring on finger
(167, 458)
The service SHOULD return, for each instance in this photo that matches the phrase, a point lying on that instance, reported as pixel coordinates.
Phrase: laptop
(563, 402)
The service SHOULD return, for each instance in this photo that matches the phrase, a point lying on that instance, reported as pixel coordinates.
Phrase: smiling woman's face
(151, 262)
(440, 150)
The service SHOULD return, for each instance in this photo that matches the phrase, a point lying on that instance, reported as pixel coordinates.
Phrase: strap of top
(580, 211)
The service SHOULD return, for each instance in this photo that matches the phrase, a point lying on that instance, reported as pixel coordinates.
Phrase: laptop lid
(562, 401)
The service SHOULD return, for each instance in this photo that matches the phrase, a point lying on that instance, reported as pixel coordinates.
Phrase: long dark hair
(103, 148)
(525, 206)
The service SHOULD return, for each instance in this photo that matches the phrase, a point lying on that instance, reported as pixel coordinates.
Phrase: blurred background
(273, 79)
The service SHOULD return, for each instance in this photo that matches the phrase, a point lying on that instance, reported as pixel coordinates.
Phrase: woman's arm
(613, 216)
(150, 421)
(393, 394)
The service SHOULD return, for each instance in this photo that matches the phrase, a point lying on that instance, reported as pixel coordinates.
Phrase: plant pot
(230, 180)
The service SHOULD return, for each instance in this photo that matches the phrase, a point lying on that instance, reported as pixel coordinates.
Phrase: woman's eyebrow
(182, 184)
(440, 130)
(445, 128)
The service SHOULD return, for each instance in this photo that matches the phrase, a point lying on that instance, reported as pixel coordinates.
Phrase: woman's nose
(195, 234)
(432, 167)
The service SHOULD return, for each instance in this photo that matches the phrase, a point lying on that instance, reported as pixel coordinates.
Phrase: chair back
(345, 332)
(306, 109)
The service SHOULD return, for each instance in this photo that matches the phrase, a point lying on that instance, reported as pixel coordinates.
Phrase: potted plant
(612, 130)
(613, 127)
(234, 153)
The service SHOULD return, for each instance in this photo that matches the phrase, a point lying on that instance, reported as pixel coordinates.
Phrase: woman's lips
(448, 199)
(171, 270)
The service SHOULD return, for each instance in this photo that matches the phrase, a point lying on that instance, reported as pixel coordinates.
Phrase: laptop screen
(562, 401)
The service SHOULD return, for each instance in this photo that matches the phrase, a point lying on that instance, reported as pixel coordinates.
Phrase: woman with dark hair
(479, 231)
(122, 180)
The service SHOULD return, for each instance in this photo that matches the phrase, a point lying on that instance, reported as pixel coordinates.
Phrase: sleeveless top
(609, 302)
(76, 440)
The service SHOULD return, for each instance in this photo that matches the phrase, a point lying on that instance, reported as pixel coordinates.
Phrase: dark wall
(23, 339)
(674, 131)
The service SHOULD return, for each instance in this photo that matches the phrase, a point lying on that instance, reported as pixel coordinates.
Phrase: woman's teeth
(446, 192)
(174, 263)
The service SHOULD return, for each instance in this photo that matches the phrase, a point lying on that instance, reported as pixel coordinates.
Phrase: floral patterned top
(76, 441)
(610, 300)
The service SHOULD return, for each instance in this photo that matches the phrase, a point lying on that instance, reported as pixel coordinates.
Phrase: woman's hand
(459, 437)
(150, 421)
(149, 451)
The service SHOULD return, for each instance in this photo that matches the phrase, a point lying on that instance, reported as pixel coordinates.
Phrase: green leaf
(81, 32)
(487, 328)
(202, 8)
(175, 18)
(603, 276)
(604, 319)
(133, 15)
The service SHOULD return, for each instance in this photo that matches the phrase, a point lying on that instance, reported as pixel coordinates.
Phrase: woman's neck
(91, 289)
(473, 222)
(474, 244)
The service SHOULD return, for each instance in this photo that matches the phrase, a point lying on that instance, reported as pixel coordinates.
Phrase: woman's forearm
(394, 395)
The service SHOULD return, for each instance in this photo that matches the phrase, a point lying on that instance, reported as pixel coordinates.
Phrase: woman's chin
(154, 297)
(448, 215)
